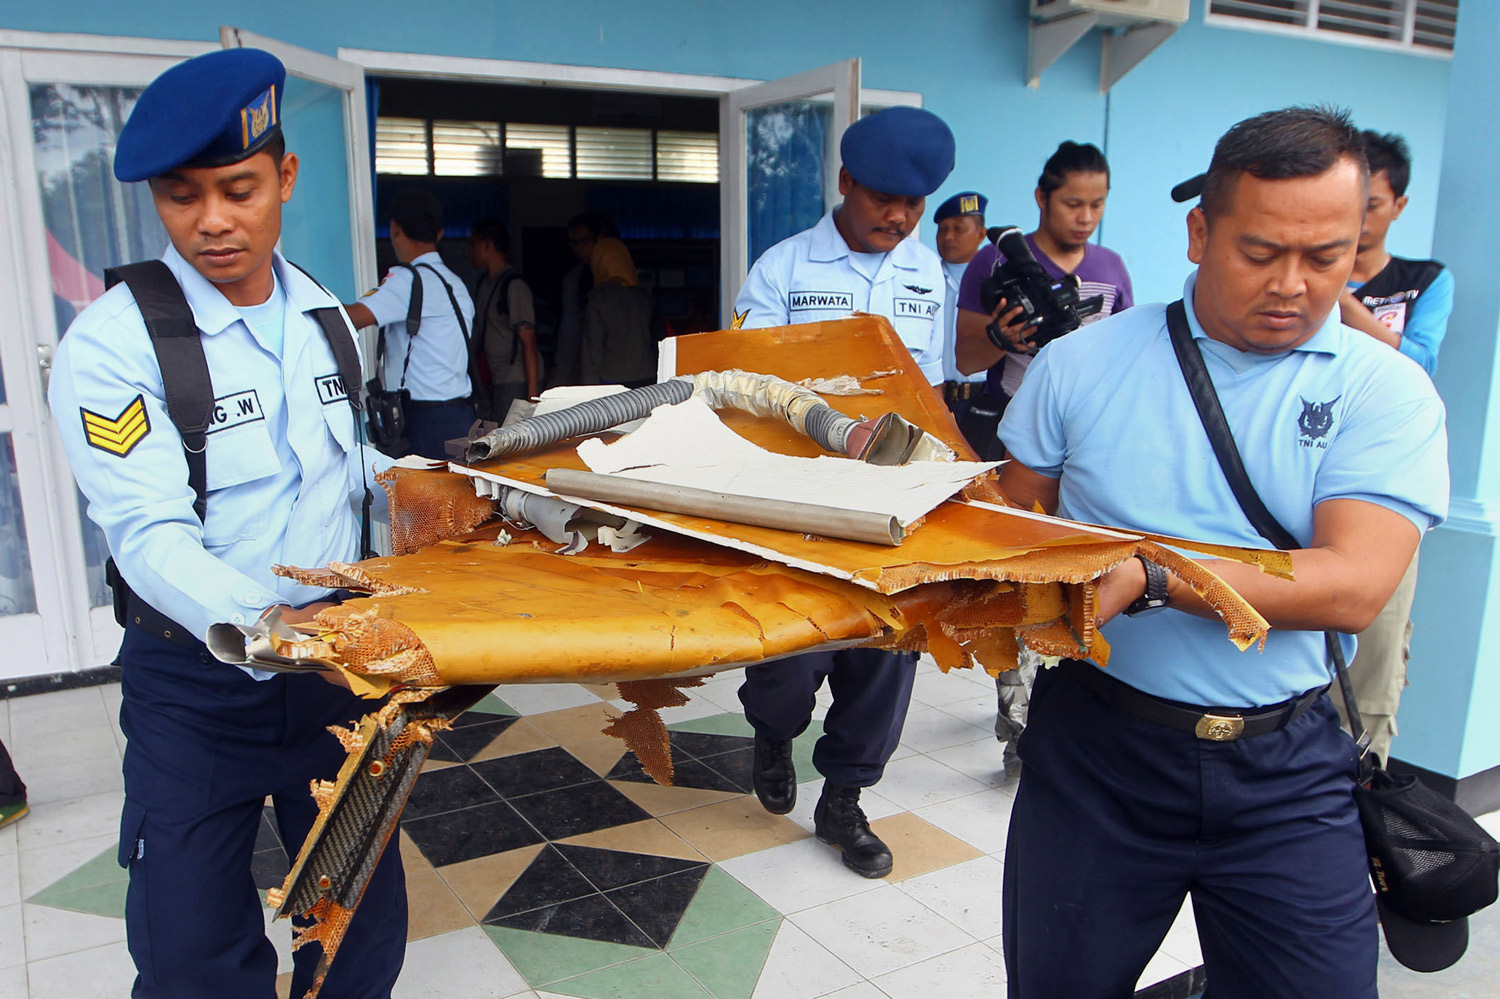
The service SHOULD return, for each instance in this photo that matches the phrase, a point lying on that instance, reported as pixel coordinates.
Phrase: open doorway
(536, 156)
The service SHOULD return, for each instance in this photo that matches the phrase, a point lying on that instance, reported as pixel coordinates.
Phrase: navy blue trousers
(871, 692)
(1117, 819)
(431, 425)
(207, 745)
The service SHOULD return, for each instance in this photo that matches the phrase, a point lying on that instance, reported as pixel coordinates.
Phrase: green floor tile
(544, 958)
(657, 976)
(493, 705)
(729, 966)
(725, 724)
(802, 750)
(99, 900)
(102, 870)
(722, 904)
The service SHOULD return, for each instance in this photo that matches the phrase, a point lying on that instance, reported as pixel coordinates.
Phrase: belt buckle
(1219, 728)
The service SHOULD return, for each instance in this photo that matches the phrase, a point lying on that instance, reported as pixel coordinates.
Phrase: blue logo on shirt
(1315, 422)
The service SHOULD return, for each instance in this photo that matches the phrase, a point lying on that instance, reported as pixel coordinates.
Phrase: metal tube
(785, 515)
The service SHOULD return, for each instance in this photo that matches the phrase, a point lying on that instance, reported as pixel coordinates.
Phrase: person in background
(12, 791)
(858, 257)
(1404, 304)
(583, 233)
(960, 233)
(434, 365)
(618, 347)
(504, 319)
(1070, 197)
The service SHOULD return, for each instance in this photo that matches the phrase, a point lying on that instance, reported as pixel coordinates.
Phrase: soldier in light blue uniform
(857, 257)
(284, 473)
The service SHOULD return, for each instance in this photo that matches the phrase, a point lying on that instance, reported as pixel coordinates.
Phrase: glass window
(466, 148)
(401, 146)
(687, 156)
(1421, 24)
(525, 145)
(17, 594)
(613, 153)
(786, 147)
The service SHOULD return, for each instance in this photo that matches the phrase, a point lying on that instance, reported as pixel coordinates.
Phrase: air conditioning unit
(1114, 13)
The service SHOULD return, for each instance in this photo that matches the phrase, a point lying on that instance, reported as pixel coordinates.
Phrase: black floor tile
(589, 918)
(656, 907)
(529, 773)
(548, 881)
(583, 808)
(703, 744)
(608, 869)
(447, 790)
(460, 745)
(628, 767)
(479, 718)
(737, 766)
(269, 868)
(477, 831)
(686, 772)
(266, 835)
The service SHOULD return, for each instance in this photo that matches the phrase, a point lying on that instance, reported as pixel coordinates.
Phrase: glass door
(779, 146)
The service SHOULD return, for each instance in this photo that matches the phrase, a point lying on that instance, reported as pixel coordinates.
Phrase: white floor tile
(937, 688)
(8, 844)
(798, 968)
(10, 880)
(797, 875)
(880, 931)
(982, 759)
(40, 866)
(721, 689)
(99, 973)
(690, 711)
(54, 932)
(44, 716)
(929, 729)
(982, 820)
(62, 780)
(1181, 941)
(864, 990)
(12, 937)
(65, 821)
(462, 963)
(975, 970)
(967, 895)
(538, 698)
(874, 804)
(5, 720)
(13, 982)
(279, 932)
(1159, 969)
(978, 709)
(919, 781)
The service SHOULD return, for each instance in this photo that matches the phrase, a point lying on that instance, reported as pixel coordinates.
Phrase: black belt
(961, 391)
(1213, 724)
(431, 403)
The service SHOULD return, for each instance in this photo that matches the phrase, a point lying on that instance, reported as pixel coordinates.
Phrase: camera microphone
(1190, 188)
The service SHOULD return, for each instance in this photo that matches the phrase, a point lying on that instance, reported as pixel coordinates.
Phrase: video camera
(1050, 307)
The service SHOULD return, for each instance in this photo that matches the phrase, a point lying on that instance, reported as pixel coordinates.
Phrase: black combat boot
(839, 821)
(774, 776)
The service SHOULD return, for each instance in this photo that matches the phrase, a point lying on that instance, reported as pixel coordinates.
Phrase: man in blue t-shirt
(1131, 798)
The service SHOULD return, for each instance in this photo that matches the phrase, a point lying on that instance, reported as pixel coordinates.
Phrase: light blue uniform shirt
(954, 275)
(439, 366)
(283, 460)
(1340, 417)
(812, 277)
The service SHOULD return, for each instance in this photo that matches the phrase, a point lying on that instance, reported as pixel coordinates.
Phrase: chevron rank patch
(739, 319)
(119, 434)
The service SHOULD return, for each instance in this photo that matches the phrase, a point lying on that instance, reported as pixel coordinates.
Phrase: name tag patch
(915, 308)
(331, 388)
(235, 410)
(808, 301)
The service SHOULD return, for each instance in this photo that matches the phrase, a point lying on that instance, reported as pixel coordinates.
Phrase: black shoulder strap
(1211, 413)
(463, 323)
(413, 324)
(471, 346)
(336, 329)
(179, 353)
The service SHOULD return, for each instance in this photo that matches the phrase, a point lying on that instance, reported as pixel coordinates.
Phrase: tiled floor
(541, 862)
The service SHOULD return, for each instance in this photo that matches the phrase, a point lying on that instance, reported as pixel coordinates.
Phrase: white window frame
(1311, 32)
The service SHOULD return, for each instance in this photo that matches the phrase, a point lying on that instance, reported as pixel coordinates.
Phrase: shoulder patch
(118, 434)
(739, 319)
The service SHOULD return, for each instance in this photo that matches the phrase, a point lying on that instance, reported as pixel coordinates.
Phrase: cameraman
(1070, 195)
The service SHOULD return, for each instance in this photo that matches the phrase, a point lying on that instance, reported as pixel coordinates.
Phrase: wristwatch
(1155, 597)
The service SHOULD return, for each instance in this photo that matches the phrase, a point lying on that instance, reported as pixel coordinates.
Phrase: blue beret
(962, 203)
(214, 110)
(902, 151)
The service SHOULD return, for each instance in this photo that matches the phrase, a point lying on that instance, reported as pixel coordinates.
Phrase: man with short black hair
(505, 319)
(960, 234)
(1189, 768)
(433, 365)
(1405, 304)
